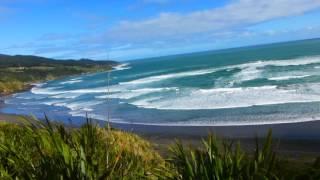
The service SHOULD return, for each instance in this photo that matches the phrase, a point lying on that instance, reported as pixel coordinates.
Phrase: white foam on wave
(89, 90)
(247, 74)
(66, 96)
(197, 122)
(249, 71)
(287, 62)
(170, 76)
(81, 108)
(72, 81)
(281, 78)
(51, 102)
(254, 70)
(129, 94)
(58, 91)
(79, 105)
(234, 97)
(172, 98)
(216, 98)
(45, 91)
(121, 67)
(38, 84)
(23, 97)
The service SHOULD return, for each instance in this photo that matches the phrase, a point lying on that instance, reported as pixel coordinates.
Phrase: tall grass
(39, 150)
(42, 150)
(220, 160)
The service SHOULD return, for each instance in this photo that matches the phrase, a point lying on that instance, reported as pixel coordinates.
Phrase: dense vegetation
(17, 72)
(222, 160)
(38, 150)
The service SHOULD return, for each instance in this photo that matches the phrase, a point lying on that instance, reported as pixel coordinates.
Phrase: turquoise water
(277, 83)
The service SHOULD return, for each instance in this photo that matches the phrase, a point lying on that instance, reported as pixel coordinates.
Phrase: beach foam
(184, 94)
(72, 81)
(129, 94)
(196, 122)
(249, 71)
(220, 96)
(121, 67)
(79, 105)
(234, 97)
(152, 79)
(281, 78)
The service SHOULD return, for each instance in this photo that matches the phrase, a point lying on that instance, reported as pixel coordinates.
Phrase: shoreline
(27, 87)
(294, 130)
(294, 140)
(297, 138)
(290, 130)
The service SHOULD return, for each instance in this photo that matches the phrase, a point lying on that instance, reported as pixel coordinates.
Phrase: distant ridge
(29, 61)
(18, 73)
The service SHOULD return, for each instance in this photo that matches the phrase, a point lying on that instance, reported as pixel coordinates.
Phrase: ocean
(266, 84)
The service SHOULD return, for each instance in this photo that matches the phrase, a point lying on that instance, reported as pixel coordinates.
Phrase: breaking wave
(215, 87)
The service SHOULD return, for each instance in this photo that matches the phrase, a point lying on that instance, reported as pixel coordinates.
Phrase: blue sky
(132, 29)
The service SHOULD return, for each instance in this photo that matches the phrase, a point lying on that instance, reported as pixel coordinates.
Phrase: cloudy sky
(132, 29)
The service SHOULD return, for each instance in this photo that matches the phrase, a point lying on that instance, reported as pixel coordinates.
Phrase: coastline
(27, 87)
(294, 130)
(297, 138)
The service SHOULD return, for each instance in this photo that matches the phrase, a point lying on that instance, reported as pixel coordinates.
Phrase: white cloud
(238, 14)
(172, 33)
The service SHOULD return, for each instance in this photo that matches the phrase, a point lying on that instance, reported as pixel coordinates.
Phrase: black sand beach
(299, 130)
(293, 139)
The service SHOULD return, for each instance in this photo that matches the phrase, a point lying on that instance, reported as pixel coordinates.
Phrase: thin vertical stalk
(108, 99)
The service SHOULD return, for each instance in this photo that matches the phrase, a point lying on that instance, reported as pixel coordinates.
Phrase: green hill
(18, 72)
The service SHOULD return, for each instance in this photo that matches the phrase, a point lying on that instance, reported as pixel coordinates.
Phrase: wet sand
(7, 117)
(297, 140)
(300, 130)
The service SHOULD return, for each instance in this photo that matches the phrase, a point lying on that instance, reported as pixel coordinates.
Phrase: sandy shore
(292, 139)
(7, 117)
(295, 140)
(300, 130)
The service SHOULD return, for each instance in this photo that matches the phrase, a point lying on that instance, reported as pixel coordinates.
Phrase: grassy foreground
(43, 150)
